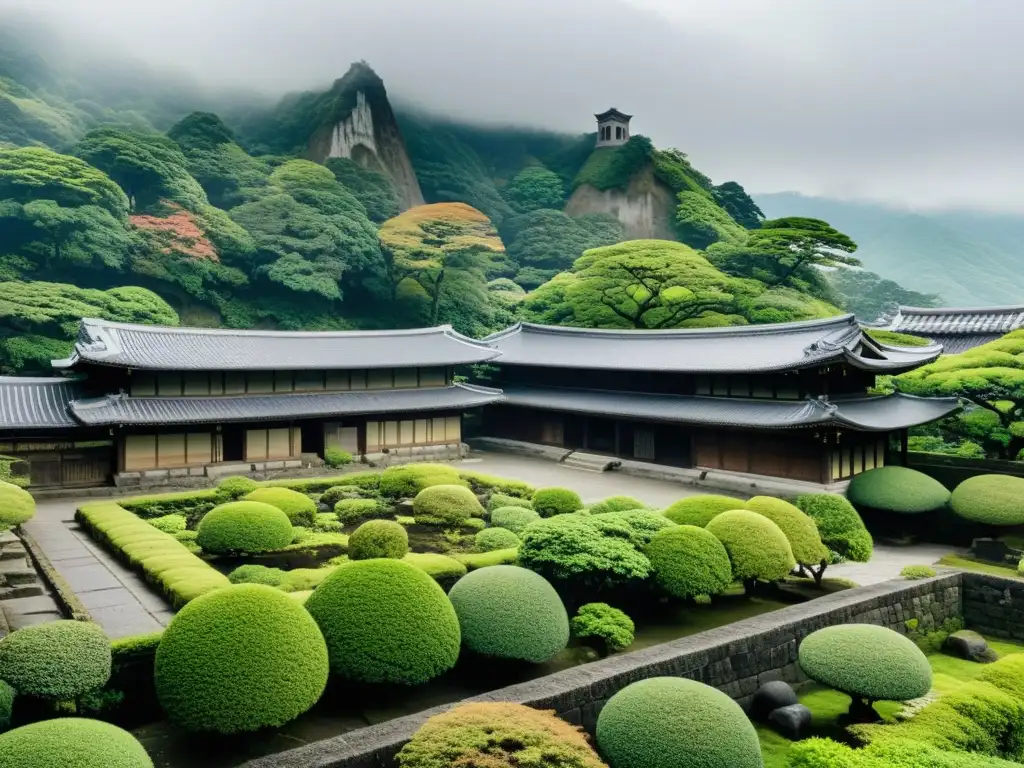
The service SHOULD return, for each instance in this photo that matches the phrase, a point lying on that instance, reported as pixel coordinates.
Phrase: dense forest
(146, 199)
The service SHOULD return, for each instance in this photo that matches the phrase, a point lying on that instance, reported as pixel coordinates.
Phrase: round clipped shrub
(7, 695)
(498, 735)
(445, 505)
(491, 539)
(237, 487)
(800, 530)
(867, 661)
(353, 510)
(169, 523)
(499, 500)
(914, 572)
(239, 659)
(336, 493)
(700, 510)
(990, 499)
(609, 625)
(16, 505)
(637, 525)
(669, 722)
(689, 561)
(56, 660)
(757, 547)
(514, 519)
(509, 612)
(386, 621)
(549, 502)
(616, 504)
(408, 480)
(244, 526)
(840, 526)
(256, 574)
(71, 742)
(897, 489)
(301, 509)
(378, 538)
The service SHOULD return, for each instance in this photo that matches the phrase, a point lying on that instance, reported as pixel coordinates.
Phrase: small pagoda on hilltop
(612, 128)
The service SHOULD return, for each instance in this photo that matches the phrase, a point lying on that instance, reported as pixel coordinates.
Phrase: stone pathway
(887, 562)
(23, 597)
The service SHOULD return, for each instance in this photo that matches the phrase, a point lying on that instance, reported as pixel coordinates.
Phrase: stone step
(13, 551)
(21, 590)
(587, 461)
(14, 572)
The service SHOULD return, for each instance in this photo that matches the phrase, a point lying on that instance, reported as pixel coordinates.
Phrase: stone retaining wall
(736, 658)
(993, 605)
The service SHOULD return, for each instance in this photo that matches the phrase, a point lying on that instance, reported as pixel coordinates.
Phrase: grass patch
(978, 566)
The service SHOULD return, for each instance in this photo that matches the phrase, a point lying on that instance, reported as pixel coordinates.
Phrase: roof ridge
(39, 379)
(198, 330)
(1006, 309)
(763, 329)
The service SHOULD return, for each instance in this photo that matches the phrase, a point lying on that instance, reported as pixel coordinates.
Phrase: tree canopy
(701, 222)
(534, 188)
(869, 296)
(35, 173)
(371, 188)
(738, 204)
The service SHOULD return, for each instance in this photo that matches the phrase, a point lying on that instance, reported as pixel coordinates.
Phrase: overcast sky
(915, 102)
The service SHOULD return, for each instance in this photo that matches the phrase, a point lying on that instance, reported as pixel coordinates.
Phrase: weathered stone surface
(772, 696)
(793, 721)
(969, 645)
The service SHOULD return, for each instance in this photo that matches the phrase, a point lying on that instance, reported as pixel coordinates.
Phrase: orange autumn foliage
(177, 233)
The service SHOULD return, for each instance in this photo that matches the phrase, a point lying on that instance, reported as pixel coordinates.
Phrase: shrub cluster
(701, 509)
(378, 538)
(386, 621)
(990, 499)
(549, 502)
(240, 659)
(244, 526)
(188, 503)
(354, 510)
(237, 487)
(514, 519)
(409, 479)
(336, 493)
(300, 509)
(16, 505)
(840, 526)
(609, 625)
(335, 457)
(482, 483)
(757, 547)
(369, 481)
(501, 500)
(636, 525)
(56, 660)
(689, 561)
(800, 530)
(256, 574)
(897, 489)
(917, 572)
(509, 612)
(446, 505)
(491, 539)
(173, 523)
(7, 696)
(615, 504)
(72, 742)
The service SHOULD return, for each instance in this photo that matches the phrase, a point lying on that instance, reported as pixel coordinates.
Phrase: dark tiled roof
(949, 321)
(613, 113)
(158, 347)
(875, 414)
(954, 344)
(36, 403)
(124, 409)
(736, 349)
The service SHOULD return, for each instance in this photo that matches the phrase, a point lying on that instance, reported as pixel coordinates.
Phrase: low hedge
(409, 479)
(897, 489)
(701, 509)
(491, 539)
(825, 753)
(839, 524)
(800, 530)
(165, 561)
(498, 735)
(474, 560)
(244, 526)
(689, 562)
(990, 499)
(868, 661)
(378, 538)
(71, 742)
(757, 547)
(667, 722)
(616, 504)
(609, 625)
(237, 487)
(386, 621)
(16, 505)
(56, 660)
(483, 483)
(182, 502)
(445, 505)
(240, 659)
(508, 612)
(301, 509)
(548, 502)
(500, 500)
(365, 480)
(514, 519)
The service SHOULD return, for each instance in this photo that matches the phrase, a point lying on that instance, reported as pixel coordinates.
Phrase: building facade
(612, 128)
(956, 329)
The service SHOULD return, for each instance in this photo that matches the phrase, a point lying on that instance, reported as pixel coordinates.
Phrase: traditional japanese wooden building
(788, 400)
(956, 329)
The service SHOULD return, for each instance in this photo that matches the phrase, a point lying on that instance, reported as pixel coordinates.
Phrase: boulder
(792, 721)
(971, 646)
(772, 696)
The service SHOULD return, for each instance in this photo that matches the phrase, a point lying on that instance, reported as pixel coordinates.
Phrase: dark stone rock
(793, 721)
(971, 646)
(772, 696)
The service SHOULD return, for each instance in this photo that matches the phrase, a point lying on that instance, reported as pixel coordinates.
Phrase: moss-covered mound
(244, 526)
(757, 547)
(16, 505)
(840, 526)
(237, 487)
(609, 625)
(510, 613)
(378, 538)
(301, 509)
(491, 539)
(240, 659)
(56, 660)
(689, 561)
(616, 504)
(355, 510)
(670, 722)
(867, 661)
(897, 489)
(700, 510)
(990, 499)
(406, 481)
(800, 530)
(514, 519)
(498, 735)
(549, 502)
(446, 505)
(71, 742)
(386, 621)
(438, 567)
(257, 574)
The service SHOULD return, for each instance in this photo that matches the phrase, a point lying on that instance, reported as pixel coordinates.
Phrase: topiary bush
(914, 572)
(336, 493)
(609, 625)
(16, 505)
(548, 502)
(668, 722)
(445, 505)
(240, 659)
(514, 519)
(386, 621)
(866, 661)
(408, 480)
(169, 523)
(491, 539)
(498, 735)
(800, 530)
(56, 660)
(301, 509)
(354, 510)
(71, 742)
(500, 500)
(897, 489)
(700, 510)
(237, 487)
(509, 612)
(636, 525)
(840, 526)
(481, 483)
(378, 538)
(990, 499)
(7, 695)
(757, 547)
(335, 457)
(244, 526)
(689, 561)
(615, 504)
(256, 574)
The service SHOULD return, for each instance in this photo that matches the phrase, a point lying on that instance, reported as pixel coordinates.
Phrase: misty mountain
(967, 258)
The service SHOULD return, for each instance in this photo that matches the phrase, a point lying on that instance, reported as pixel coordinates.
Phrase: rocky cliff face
(359, 124)
(646, 207)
